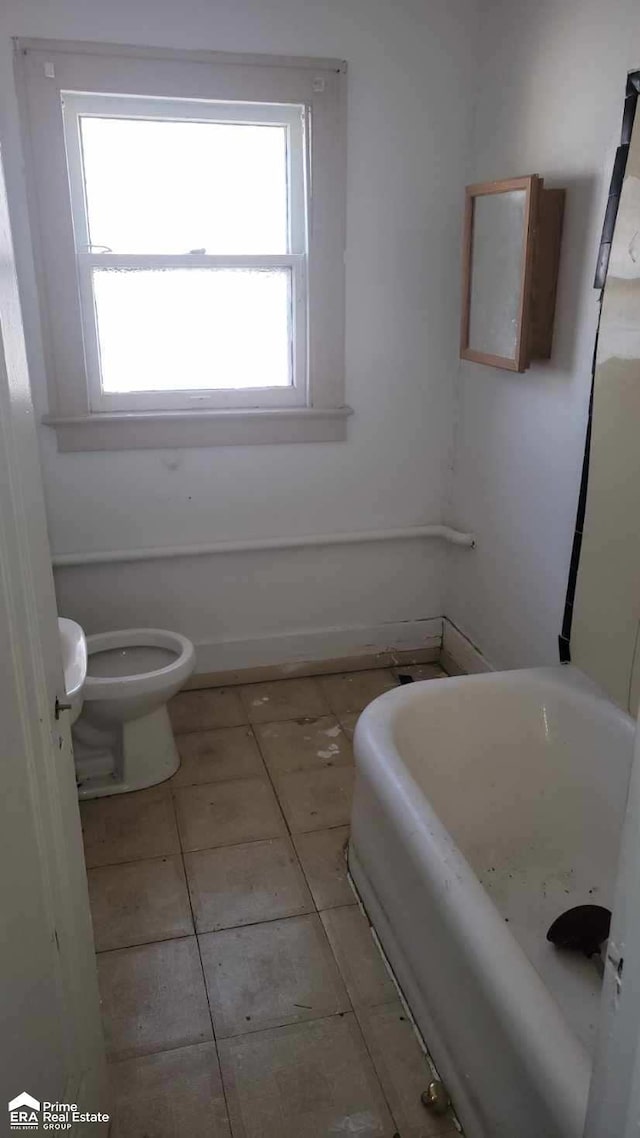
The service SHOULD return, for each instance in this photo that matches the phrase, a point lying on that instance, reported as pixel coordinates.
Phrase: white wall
(409, 122)
(550, 96)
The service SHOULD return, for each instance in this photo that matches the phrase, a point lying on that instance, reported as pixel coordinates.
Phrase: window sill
(140, 430)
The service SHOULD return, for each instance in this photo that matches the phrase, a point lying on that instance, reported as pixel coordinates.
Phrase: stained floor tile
(348, 720)
(316, 799)
(240, 885)
(270, 974)
(283, 699)
(138, 902)
(309, 1080)
(351, 691)
(215, 756)
(281, 979)
(402, 1069)
(303, 744)
(363, 971)
(321, 853)
(206, 709)
(128, 827)
(175, 1094)
(227, 813)
(153, 998)
(421, 672)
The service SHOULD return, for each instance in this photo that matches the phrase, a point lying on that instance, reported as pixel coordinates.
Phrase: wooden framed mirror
(512, 231)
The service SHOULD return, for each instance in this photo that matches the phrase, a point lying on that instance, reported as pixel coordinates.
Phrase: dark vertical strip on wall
(564, 639)
(619, 166)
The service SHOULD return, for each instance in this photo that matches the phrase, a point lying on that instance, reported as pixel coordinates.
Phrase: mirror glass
(496, 272)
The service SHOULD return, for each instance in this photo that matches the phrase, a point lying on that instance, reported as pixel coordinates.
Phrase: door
(51, 1044)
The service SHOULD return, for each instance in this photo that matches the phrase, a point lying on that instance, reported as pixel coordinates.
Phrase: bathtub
(484, 807)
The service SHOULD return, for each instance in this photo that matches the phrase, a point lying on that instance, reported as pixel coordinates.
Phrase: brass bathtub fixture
(435, 1098)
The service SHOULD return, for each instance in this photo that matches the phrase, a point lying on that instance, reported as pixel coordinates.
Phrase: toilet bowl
(123, 739)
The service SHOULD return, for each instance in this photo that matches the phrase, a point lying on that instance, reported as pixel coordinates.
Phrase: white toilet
(123, 739)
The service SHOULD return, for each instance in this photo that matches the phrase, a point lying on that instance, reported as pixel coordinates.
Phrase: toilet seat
(139, 682)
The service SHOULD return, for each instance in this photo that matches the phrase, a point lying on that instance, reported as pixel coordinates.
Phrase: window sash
(294, 395)
(290, 116)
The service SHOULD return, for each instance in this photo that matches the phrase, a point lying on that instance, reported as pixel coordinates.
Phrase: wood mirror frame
(541, 234)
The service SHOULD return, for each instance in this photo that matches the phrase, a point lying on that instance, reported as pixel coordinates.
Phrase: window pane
(155, 186)
(193, 329)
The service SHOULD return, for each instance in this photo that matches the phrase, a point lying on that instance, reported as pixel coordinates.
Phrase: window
(190, 225)
(190, 241)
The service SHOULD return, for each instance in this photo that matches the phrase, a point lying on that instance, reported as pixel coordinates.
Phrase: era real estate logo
(26, 1113)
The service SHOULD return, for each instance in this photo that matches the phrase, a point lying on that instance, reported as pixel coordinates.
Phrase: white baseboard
(459, 655)
(316, 650)
(337, 649)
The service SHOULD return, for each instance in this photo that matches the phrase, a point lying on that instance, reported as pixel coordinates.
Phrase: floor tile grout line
(277, 795)
(162, 1051)
(262, 921)
(144, 943)
(206, 730)
(313, 680)
(175, 788)
(226, 845)
(248, 722)
(226, 782)
(180, 853)
(274, 786)
(350, 1011)
(308, 766)
(289, 831)
(301, 866)
(317, 1019)
(196, 932)
(334, 956)
(374, 1068)
(206, 993)
(358, 1012)
(295, 853)
(315, 911)
(354, 1012)
(135, 861)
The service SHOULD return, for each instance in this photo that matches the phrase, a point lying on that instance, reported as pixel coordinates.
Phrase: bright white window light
(190, 232)
(154, 186)
(205, 329)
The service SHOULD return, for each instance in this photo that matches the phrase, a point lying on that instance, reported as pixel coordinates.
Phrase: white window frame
(292, 118)
(59, 82)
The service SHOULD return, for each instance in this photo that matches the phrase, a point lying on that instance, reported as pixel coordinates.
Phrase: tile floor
(242, 992)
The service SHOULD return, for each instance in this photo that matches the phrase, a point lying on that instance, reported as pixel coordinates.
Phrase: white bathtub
(484, 807)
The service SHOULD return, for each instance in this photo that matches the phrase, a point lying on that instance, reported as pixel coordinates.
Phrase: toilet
(123, 739)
